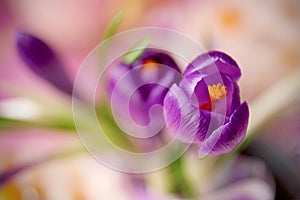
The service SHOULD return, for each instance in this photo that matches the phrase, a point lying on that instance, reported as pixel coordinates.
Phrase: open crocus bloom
(136, 87)
(205, 106)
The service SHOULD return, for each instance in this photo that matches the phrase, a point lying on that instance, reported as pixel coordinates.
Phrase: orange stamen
(216, 92)
(150, 64)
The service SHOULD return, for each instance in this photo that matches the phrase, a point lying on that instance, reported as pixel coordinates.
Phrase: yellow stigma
(217, 92)
(150, 64)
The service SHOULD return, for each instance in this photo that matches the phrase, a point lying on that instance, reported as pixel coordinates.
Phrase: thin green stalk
(179, 183)
(114, 24)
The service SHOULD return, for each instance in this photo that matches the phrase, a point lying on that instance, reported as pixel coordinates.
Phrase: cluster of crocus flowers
(202, 107)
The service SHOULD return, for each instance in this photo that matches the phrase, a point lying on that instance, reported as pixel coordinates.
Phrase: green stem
(57, 124)
(114, 24)
(179, 183)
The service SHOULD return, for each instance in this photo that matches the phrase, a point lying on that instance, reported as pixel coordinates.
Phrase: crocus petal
(180, 114)
(201, 93)
(160, 57)
(168, 76)
(186, 120)
(42, 61)
(213, 62)
(227, 137)
(226, 64)
(122, 90)
(235, 99)
(144, 86)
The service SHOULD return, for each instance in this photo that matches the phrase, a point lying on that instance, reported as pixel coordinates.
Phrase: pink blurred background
(262, 36)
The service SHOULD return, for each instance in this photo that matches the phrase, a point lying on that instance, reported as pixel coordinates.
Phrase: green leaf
(6, 124)
(136, 51)
(55, 124)
(113, 26)
(110, 31)
(110, 128)
(180, 184)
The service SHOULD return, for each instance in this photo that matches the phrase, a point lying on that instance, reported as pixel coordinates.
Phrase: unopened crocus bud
(40, 59)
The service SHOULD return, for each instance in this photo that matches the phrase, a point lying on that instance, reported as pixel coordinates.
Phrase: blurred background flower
(37, 135)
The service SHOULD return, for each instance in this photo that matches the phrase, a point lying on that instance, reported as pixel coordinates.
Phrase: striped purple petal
(187, 121)
(226, 138)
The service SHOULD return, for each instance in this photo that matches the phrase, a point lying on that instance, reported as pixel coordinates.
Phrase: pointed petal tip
(34, 52)
(20, 35)
(42, 60)
(22, 41)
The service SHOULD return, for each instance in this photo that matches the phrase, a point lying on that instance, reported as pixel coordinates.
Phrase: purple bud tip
(40, 59)
(35, 53)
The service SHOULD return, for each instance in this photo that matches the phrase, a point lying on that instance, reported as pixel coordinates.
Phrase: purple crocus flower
(42, 61)
(205, 107)
(136, 87)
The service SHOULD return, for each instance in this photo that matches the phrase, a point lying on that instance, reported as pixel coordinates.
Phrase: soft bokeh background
(262, 36)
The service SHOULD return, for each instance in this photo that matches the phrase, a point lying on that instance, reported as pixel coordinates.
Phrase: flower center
(150, 64)
(217, 92)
